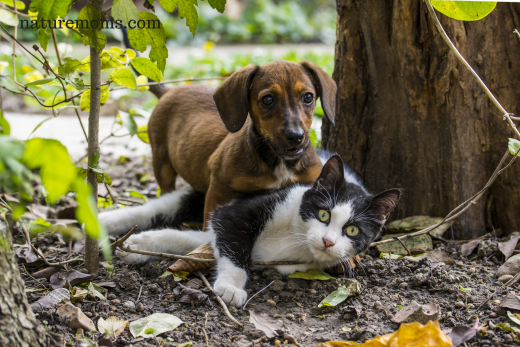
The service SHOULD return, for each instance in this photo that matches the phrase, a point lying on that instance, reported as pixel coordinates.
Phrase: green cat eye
(324, 215)
(351, 230)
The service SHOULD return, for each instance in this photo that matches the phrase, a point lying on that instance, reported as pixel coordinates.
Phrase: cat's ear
(384, 203)
(332, 175)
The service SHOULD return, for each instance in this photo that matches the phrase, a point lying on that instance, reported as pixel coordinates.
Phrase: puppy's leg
(163, 241)
(169, 210)
(163, 170)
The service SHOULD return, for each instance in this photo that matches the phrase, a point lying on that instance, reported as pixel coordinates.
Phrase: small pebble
(471, 306)
(491, 325)
(472, 270)
(277, 342)
(271, 302)
(289, 316)
(312, 291)
(504, 278)
(493, 315)
(403, 285)
(255, 278)
(139, 307)
(169, 296)
(290, 339)
(508, 338)
(377, 305)
(88, 314)
(115, 302)
(459, 304)
(111, 296)
(113, 308)
(129, 305)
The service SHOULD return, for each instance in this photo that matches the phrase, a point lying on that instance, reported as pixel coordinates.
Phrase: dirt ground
(386, 285)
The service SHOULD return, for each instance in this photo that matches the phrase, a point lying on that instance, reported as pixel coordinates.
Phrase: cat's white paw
(230, 294)
(136, 242)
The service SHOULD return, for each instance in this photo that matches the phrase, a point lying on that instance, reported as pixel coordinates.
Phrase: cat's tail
(157, 89)
(168, 211)
(163, 241)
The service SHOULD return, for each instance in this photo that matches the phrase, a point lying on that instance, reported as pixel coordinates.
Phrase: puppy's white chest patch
(283, 176)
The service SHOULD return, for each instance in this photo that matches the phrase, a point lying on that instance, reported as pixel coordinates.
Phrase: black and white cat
(318, 226)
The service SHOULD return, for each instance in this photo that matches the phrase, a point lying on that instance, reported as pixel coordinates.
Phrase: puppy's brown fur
(205, 136)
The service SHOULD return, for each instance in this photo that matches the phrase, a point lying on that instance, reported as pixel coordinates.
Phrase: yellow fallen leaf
(408, 335)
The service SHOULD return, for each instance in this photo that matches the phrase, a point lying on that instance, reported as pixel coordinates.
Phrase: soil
(386, 285)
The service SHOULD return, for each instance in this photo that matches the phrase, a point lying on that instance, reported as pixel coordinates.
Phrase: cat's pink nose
(328, 243)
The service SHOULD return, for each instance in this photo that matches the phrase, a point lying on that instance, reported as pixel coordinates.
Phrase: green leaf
(186, 10)
(8, 18)
(125, 10)
(109, 60)
(40, 82)
(158, 322)
(384, 255)
(4, 125)
(145, 67)
(218, 5)
(129, 122)
(464, 10)
(84, 101)
(69, 66)
(93, 161)
(49, 10)
(186, 344)
(20, 5)
(312, 275)
(140, 38)
(92, 36)
(335, 297)
(514, 317)
(514, 146)
(56, 169)
(125, 77)
(136, 194)
(40, 124)
(142, 133)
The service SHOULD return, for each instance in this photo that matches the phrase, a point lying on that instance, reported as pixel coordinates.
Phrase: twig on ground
(120, 241)
(402, 243)
(28, 274)
(263, 338)
(261, 290)
(220, 301)
(205, 336)
(513, 280)
(140, 291)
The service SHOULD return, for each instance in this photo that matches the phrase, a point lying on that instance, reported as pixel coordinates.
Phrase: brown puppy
(205, 136)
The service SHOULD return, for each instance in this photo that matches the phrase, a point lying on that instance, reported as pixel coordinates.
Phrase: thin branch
(261, 290)
(120, 241)
(220, 301)
(402, 243)
(459, 56)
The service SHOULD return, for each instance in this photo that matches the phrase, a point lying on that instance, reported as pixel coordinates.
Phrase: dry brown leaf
(468, 248)
(59, 279)
(510, 303)
(268, 324)
(508, 247)
(113, 326)
(418, 313)
(433, 256)
(460, 334)
(204, 251)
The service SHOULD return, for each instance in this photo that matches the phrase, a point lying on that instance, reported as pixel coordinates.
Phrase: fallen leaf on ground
(434, 257)
(409, 335)
(312, 275)
(47, 272)
(186, 344)
(460, 334)
(94, 291)
(416, 223)
(510, 303)
(59, 279)
(51, 299)
(507, 328)
(510, 267)
(418, 313)
(416, 244)
(78, 294)
(75, 318)
(508, 247)
(106, 284)
(190, 294)
(268, 324)
(26, 254)
(384, 255)
(515, 317)
(334, 298)
(113, 326)
(204, 251)
(469, 247)
(158, 322)
(353, 286)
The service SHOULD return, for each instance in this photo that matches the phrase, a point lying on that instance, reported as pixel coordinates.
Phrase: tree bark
(18, 325)
(410, 115)
(91, 245)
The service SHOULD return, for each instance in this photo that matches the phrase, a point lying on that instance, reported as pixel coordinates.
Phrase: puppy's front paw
(231, 294)
(134, 242)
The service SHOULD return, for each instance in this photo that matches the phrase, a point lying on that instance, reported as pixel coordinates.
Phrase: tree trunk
(409, 115)
(91, 245)
(18, 325)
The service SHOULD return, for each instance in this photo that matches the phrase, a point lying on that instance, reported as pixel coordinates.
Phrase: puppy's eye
(351, 230)
(268, 100)
(324, 215)
(308, 98)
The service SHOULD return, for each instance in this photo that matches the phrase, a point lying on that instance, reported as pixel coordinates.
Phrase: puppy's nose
(328, 243)
(294, 137)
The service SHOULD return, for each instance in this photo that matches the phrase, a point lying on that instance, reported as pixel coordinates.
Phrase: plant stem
(91, 245)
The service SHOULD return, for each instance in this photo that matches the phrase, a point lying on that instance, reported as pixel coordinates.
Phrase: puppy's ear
(232, 98)
(326, 88)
